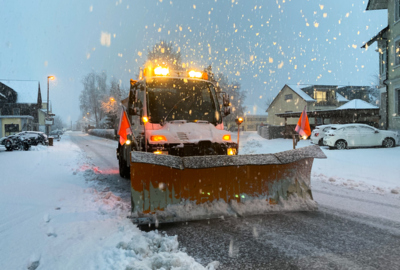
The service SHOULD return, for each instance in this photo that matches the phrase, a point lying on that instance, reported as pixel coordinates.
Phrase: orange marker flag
(124, 128)
(303, 126)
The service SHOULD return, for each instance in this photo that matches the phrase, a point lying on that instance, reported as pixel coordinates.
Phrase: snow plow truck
(183, 165)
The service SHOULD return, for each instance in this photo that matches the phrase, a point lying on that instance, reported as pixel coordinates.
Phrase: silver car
(318, 134)
(359, 135)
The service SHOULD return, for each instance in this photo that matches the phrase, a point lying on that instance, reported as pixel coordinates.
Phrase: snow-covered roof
(357, 104)
(340, 98)
(27, 90)
(16, 116)
(297, 88)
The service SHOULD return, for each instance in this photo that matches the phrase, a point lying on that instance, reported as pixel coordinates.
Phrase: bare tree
(237, 96)
(268, 102)
(58, 123)
(94, 89)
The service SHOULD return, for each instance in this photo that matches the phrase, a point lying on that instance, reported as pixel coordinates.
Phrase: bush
(105, 133)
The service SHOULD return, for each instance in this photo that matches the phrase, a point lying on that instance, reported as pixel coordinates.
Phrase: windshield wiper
(173, 107)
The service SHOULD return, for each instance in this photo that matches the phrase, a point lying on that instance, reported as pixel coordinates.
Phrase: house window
(289, 97)
(16, 111)
(383, 62)
(397, 100)
(396, 10)
(320, 96)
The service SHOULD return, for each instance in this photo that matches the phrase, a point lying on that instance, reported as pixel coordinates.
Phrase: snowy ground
(53, 216)
(374, 170)
(56, 215)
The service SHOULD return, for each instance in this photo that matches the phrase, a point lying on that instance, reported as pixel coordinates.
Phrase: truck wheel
(124, 170)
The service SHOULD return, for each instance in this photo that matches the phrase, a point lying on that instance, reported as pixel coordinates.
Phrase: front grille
(182, 136)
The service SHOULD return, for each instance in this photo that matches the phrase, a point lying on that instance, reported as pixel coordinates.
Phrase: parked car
(359, 135)
(36, 137)
(318, 134)
(16, 142)
(56, 134)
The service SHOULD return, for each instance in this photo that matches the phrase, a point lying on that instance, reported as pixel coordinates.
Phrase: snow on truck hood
(183, 132)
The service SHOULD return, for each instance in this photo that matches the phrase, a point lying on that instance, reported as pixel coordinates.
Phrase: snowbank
(53, 216)
(105, 133)
(367, 169)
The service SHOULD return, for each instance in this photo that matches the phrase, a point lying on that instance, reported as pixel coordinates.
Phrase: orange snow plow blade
(170, 188)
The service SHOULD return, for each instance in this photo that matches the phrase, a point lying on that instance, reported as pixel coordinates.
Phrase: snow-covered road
(65, 207)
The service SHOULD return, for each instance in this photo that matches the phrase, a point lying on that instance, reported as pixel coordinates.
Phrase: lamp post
(238, 122)
(48, 78)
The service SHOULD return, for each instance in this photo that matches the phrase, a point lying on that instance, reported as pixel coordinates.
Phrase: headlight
(226, 137)
(159, 152)
(128, 142)
(231, 151)
(158, 138)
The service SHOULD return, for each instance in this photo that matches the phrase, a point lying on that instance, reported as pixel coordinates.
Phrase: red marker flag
(124, 128)
(303, 126)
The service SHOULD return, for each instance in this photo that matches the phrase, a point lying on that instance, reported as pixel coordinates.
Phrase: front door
(352, 135)
(369, 137)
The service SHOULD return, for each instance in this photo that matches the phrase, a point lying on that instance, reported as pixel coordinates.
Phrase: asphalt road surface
(351, 229)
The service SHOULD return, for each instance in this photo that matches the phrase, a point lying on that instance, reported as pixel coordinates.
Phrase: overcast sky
(262, 44)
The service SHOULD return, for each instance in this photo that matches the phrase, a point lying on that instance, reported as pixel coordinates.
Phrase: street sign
(49, 121)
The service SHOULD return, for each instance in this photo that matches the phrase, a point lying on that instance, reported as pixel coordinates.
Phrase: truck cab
(175, 113)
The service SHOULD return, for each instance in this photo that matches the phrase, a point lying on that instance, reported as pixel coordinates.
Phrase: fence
(270, 132)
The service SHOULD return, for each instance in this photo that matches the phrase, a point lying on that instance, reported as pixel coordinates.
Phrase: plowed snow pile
(52, 217)
(368, 169)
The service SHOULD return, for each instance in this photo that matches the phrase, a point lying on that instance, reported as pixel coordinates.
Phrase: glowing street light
(48, 78)
(238, 121)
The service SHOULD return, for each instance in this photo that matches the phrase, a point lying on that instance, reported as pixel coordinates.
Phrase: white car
(359, 135)
(318, 134)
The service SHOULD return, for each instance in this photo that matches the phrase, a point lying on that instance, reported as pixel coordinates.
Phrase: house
(351, 92)
(20, 102)
(293, 98)
(388, 41)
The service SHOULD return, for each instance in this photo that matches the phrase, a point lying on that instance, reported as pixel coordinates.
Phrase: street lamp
(238, 121)
(48, 78)
(112, 99)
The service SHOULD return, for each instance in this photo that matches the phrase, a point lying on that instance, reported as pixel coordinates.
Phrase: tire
(26, 147)
(8, 145)
(124, 170)
(388, 143)
(341, 145)
(321, 142)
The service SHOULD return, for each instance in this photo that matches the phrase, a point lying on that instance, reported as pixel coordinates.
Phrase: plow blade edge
(169, 188)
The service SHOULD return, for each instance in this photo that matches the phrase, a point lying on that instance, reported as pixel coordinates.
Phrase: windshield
(181, 99)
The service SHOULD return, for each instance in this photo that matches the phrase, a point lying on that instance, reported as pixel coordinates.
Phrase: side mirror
(376, 131)
(134, 111)
(227, 111)
(225, 100)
